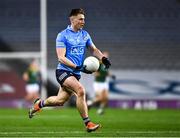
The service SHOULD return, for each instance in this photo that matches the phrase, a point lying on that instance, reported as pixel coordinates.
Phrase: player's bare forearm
(66, 62)
(97, 53)
(62, 59)
(102, 57)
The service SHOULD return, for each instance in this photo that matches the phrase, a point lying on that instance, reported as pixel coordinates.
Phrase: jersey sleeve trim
(60, 44)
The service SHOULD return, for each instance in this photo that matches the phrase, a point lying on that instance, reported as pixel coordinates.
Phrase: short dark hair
(75, 12)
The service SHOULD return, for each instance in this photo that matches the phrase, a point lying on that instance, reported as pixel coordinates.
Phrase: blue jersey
(75, 44)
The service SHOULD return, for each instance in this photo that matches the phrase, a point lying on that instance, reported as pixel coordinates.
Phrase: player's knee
(80, 91)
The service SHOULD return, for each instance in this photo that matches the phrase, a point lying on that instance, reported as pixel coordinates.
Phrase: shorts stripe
(62, 75)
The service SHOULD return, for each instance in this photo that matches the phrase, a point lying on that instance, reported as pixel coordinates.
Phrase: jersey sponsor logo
(77, 50)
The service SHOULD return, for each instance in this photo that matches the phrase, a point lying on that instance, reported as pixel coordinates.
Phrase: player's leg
(99, 88)
(103, 101)
(58, 100)
(73, 84)
(36, 90)
(53, 100)
(95, 100)
(29, 90)
(105, 97)
(35, 95)
(29, 97)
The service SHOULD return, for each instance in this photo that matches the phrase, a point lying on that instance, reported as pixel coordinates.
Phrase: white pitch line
(43, 132)
(149, 132)
(78, 132)
(37, 116)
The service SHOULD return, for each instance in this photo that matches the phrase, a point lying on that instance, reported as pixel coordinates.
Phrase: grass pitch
(66, 122)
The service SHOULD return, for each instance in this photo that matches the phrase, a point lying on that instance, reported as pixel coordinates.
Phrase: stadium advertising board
(144, 89)
(12, 88)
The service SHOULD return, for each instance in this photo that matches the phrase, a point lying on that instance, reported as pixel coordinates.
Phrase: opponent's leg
(103, 103)
(94, 101)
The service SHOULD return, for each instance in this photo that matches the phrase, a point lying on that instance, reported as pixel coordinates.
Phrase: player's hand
(106, 62)
(83, 69)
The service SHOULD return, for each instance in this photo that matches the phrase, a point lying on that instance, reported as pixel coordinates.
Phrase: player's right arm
(61, 51)
(62, 59)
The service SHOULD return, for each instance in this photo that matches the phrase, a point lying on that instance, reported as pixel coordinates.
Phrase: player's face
(78, 21)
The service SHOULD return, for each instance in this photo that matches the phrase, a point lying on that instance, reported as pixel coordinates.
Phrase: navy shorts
(62, 75)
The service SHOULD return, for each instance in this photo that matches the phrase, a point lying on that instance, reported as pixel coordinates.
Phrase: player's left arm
(97, 53)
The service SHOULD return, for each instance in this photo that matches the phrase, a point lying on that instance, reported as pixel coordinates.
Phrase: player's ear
(71, 19)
